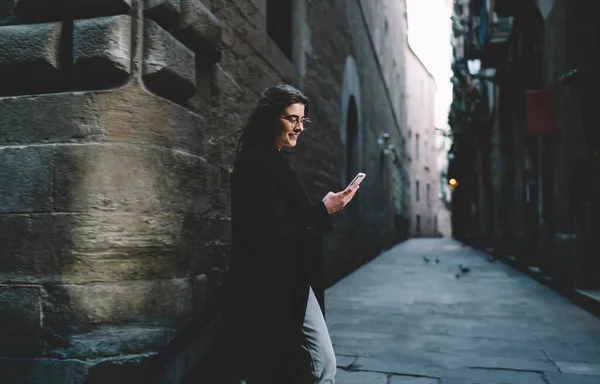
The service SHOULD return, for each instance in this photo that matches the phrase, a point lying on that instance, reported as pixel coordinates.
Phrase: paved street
(401, 319)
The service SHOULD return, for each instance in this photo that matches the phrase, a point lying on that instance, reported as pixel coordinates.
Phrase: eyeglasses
(296, 121)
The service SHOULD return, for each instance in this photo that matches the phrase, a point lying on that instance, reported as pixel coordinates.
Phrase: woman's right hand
(337, 201)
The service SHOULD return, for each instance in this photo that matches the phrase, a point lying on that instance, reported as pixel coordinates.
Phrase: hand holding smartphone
(337, 201)
(357, 179)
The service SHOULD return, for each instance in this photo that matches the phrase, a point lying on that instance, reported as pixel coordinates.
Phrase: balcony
(495, 49)
(500, 30)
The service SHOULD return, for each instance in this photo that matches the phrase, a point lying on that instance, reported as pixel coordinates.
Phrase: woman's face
(291, 124)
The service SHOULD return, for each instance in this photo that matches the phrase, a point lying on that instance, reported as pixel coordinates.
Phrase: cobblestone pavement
(411, 316)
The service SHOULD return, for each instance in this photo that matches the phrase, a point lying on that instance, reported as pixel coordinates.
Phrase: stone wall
(113, 222)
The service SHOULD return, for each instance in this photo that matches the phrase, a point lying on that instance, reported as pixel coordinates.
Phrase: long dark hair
(261, 126)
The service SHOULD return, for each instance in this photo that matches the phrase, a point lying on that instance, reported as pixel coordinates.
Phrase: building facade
(421, 147)
(114, 202)
(525, 151)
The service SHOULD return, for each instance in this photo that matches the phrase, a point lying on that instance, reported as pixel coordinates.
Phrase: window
(279, 24)
(417, 190)
(425, 152)
(428, 196)
(418, 222)
(417, 147)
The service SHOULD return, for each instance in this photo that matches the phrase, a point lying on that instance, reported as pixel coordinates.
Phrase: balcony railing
(500, 30)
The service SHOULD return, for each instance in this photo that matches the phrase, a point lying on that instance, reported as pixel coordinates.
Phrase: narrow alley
(432, 311)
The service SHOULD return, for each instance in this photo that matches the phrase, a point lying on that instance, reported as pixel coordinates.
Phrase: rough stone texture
(125, 301)
(30, 57)
(107, 247)
(102, 50)
(20, 320)
(129, 179)
(47, 371)
(169, 66)
(112, 340)
(129, 115)
(199, 29)
(25, 180)
(42, 10)
(164, 12)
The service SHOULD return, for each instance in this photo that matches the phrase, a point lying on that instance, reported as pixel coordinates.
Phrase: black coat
(277, 253)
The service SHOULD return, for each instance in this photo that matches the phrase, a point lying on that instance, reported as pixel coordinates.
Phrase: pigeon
(463, 269)
(491, 259)
(426, 259)
(437, 260)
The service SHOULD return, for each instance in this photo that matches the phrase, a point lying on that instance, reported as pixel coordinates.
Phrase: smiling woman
(274, 326)
(294, 124)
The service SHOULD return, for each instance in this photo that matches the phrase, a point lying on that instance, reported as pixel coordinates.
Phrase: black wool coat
(277, 253)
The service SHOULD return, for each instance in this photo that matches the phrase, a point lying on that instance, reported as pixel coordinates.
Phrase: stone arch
(351, 113)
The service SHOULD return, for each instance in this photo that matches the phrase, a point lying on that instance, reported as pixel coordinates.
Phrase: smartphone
(357, 179)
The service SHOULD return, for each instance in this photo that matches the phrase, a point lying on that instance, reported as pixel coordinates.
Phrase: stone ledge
(169, 66)
(102, 50)
(30, 58)
(127, 115)
(199, 30)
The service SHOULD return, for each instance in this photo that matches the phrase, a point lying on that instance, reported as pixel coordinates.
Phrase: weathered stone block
(76, 305)
(20, 320)
(25, 179)
(130, 114)
(44, 10)
(47, 371)
(112, 340)
(135, 115)
(164, 12)
(200, 30)
(131, 179)
(169, 66)
(101, 247)
(49, 118)
(30, 57)
(102, 50)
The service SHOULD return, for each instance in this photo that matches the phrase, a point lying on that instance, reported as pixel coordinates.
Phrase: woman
(274, 322)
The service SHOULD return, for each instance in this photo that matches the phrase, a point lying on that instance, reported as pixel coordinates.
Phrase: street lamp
(474, 66)
(453, 184)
